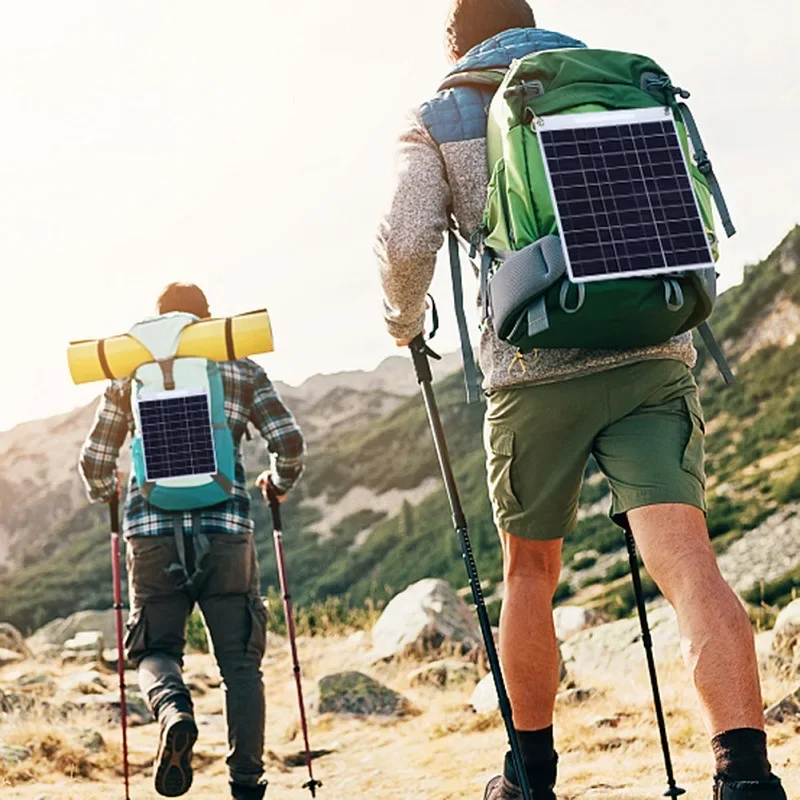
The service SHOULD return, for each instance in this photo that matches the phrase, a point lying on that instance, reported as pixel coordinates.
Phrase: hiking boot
(541, 782)
(241, 792)
(173, 775)
(748, 790)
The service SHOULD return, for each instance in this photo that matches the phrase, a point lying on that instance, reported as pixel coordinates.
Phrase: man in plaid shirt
(222, 564)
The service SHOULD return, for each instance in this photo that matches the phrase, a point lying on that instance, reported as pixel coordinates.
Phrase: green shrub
(584, 562)
(619, 569)
(563, 592)
(196, 636)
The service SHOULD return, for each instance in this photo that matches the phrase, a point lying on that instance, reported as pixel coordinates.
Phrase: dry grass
(609, 744)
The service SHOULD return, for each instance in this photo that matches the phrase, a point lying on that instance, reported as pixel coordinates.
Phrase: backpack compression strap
(467, 356)
(712, 345)
(704, 165)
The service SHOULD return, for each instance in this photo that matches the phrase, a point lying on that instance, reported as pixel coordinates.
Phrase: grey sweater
(429, 180)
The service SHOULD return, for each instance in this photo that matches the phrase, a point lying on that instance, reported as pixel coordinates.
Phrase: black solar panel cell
(177, 436)
(623, 198)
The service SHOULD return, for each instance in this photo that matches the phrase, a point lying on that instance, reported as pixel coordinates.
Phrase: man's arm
(411, 233)
(280, 431)
(98, 459)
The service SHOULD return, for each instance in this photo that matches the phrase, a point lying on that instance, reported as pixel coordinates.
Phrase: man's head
(185, 297)
(471, 22)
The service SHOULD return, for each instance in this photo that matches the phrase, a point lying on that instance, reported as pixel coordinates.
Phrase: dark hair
(184, 297)
(471, 22)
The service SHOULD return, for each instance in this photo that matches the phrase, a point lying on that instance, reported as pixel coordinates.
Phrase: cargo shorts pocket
(694, 451)
(257, 640)
(135, 636)
(500, 461)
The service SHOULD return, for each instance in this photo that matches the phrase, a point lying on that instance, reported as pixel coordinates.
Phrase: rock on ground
(616, 647)
(484, 697)
(84, 682)
(91, 641)
(570, 620)
(766, 552)
(13, 754)
(60, 631)
(137, 711)
(9, 657)
(425, 616)
(356, 693)
(447, 672)
(785, 710)
(786, 634)
(11, 639)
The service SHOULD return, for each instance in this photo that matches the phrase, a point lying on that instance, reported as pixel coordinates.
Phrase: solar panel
(176, 434)
(622, 194)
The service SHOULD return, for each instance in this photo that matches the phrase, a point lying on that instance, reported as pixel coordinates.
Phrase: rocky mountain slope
(370, 517)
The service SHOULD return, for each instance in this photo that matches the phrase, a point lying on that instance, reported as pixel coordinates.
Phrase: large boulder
(786, 635)
(358, 694)
(570, 620)
(427, 615)
(616, 647)
(59, 631)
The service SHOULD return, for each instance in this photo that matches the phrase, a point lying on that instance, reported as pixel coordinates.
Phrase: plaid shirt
(249, 397)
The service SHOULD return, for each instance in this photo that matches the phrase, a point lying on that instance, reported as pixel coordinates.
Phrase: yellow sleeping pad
(218, 339)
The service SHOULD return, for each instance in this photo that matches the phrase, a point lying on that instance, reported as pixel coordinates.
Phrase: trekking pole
(420, 353)
(272, 494)
(115, 570)
(673, 790)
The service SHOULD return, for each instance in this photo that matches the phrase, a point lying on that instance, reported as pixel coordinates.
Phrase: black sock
(537, 752)
(741, 755)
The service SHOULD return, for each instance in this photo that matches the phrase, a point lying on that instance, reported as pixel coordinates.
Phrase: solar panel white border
(171, 395)
(597, 119)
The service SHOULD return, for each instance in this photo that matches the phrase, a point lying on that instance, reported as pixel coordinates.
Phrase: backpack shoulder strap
(467, 355)
(712, 345)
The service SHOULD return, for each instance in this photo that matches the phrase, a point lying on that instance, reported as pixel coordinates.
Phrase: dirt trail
(444, 753)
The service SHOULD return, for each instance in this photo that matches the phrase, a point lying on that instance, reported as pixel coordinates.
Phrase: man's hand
(403, 342)
(262, 481)
(120, 483)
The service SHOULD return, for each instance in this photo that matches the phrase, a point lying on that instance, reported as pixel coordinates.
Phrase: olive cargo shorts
(642, 422)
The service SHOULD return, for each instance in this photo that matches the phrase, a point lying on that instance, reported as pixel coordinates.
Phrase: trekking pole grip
(113, 509)
(420, 355)
(274, 503)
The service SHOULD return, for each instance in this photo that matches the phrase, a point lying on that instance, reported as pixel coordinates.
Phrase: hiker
(205, 555)
(635, 410)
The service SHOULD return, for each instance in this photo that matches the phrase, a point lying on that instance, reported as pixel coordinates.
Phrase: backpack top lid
(161, 335)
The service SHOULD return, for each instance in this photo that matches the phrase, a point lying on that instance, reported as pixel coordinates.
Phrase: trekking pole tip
(674, 791)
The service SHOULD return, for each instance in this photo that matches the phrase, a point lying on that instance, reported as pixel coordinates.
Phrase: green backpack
(530, 299)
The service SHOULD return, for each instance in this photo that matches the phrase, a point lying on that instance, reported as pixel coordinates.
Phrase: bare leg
(716, 637)
(528, 648)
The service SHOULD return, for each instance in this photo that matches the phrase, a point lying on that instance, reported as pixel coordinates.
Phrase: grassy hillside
(753, 427)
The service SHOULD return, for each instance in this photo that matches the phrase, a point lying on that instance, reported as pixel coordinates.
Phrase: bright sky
(249, 150)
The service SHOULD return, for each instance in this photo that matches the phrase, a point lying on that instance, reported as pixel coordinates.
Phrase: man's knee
(537, 563)
(676, 549)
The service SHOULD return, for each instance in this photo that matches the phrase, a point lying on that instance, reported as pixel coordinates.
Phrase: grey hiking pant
(227, 592)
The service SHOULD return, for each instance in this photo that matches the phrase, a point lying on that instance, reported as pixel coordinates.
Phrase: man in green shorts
(636, 411)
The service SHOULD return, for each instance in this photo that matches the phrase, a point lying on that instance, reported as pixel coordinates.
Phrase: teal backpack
(183, 451)
(526, 291)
